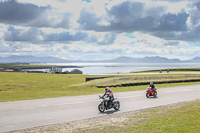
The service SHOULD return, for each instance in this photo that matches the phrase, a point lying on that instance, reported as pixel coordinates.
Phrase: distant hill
(193, 60)
(158, 59)
(31, 59)
(155, 59)
(122, 59)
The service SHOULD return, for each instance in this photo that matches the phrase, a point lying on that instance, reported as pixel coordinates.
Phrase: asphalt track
(33, 113)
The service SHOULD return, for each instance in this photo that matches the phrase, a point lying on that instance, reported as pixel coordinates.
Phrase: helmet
(151, 83)
(107, 89)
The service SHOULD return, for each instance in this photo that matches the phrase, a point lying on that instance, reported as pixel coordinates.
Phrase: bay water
(118, 68)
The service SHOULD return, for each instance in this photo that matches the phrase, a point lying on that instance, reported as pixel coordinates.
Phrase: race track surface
(33, 113)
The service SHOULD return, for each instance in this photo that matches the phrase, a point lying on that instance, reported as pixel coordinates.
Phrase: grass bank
(123, 79)
(171, 70)
(184, 117)
(27, 86)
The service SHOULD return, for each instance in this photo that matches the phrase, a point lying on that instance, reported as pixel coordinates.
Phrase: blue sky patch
(87, 0)
(194, 43)
(130, 35)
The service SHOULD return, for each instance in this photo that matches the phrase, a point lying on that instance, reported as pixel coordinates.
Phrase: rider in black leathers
(152, 86)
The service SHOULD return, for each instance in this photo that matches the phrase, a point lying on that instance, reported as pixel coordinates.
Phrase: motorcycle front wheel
(116, 105)
(147, 95)
(101, 108)
(155, 94)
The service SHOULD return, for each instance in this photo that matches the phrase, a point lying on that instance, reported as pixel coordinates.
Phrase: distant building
(55, 69)
(76, 71)
(17, 69)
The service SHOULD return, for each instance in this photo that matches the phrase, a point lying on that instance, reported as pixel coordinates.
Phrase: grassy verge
(27, 86)
(142, 78)
(24, 86)
(171, 70)
(184, 117)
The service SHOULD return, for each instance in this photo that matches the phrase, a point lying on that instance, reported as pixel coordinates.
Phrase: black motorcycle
(106, 104)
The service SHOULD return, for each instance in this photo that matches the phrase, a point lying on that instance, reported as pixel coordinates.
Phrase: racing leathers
(152, 87)
(111, 97)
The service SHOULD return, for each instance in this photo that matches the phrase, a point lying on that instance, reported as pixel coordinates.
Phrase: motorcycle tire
(101, 108)
(116, 105)
(147, 95)
(155, 94)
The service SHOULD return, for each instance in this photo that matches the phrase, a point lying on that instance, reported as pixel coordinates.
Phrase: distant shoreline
(31, 68)
(100, 68)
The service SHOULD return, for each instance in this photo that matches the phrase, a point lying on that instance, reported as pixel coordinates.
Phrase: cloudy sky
(100, 29)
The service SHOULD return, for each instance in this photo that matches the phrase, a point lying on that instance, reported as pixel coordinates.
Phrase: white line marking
(77, 102)
(28, 108)
(9, 126)
(179, 90)
(130, 96)
(169, 91)
(49, 118)
(95, 100)
(90, 101)
(188, 90)
(42, 105)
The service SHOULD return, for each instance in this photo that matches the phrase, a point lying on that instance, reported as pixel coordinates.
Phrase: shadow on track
(153, 97)
(109, 112)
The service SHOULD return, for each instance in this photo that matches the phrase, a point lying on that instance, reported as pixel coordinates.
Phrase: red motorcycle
(151, 93)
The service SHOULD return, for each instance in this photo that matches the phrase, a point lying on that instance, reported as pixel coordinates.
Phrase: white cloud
(106, 28)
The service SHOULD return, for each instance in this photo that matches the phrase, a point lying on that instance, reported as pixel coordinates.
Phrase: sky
(100, 29)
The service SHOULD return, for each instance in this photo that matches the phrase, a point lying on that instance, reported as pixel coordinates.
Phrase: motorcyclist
(109, 93)
(152, 86)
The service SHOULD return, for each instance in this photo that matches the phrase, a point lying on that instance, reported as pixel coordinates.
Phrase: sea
(120, 68)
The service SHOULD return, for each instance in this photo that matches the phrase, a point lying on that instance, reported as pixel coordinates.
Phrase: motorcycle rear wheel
(101, 108)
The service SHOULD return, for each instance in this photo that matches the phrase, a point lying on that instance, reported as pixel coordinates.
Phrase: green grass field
(171, 70)
(143, 78)
(179, 118)
(26, 86)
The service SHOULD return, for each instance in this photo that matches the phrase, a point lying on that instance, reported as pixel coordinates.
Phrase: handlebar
(103, 97)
